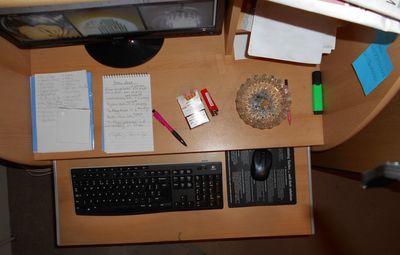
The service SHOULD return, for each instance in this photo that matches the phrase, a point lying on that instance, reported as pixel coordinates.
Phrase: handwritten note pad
(62, 117)
(127, 116)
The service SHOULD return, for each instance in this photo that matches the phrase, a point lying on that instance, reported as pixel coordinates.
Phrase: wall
(5, 231)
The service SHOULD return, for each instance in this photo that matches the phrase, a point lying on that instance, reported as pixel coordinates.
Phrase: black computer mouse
(261, 164)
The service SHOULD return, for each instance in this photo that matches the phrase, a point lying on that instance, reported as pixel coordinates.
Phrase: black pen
(158, 117)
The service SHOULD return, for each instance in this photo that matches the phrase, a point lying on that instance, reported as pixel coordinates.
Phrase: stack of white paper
(352, 13)
(390, 8)
(62, 117)
(284, 33)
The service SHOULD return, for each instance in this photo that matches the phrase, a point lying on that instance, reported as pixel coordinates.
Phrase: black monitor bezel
(215, 30)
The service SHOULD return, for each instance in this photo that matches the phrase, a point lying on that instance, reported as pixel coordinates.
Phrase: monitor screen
(110, 21)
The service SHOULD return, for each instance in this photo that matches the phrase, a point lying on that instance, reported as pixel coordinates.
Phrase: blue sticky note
(373, 66)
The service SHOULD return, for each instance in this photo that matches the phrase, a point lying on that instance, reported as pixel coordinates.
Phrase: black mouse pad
(278, 189)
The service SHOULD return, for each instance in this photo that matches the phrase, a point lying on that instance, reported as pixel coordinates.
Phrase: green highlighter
(317, 93)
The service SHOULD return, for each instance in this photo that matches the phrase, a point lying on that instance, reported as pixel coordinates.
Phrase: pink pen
(158, 117)
(289, 114)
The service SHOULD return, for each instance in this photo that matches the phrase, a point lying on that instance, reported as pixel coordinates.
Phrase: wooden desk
(183, 63)
(187, 63)
(204, 62)
(196, 62)
(256, 221)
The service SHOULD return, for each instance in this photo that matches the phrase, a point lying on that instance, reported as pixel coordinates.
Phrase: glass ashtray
(263, 101)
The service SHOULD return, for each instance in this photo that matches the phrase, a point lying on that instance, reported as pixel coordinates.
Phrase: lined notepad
(62, 118)
(127, 113)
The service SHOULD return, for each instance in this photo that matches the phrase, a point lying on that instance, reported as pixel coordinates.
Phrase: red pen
(158, 117)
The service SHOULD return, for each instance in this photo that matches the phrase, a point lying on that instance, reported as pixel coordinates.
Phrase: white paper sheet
(240, 46)
(73, 126)
(289, 34)
(127, 114)
(61, 112)
(390, 8)
(345, 11)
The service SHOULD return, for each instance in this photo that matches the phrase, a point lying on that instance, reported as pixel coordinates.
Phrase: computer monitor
(118, 33)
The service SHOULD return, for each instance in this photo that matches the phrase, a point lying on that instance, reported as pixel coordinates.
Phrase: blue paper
(374, 64)
(89, 80)
(33, 107)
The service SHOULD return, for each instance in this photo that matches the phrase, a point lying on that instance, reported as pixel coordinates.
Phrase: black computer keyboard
(147, 188)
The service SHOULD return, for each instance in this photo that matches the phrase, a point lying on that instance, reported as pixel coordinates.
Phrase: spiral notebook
(127, 113)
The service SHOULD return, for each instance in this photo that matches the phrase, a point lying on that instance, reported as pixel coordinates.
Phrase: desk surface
(257, 221)
(185, 63)
(196, 62)
(201, 62)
